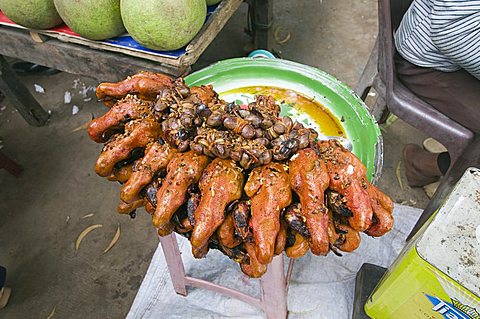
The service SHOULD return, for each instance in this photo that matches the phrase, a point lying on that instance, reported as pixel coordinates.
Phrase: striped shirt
(441, 34)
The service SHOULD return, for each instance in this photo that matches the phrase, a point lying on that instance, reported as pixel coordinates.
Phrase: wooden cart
(106, 63)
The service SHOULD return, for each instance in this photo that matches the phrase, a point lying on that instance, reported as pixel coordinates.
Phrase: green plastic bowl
(360, 127)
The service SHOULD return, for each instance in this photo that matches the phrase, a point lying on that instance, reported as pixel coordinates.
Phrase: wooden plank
(77, 59)
(209, 31)
(173, 61)
(20, 97)
(197, 46)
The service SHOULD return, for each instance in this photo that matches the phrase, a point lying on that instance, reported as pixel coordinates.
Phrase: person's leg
(4, 291)
(455, 94)
(3, 276)
(423, 167)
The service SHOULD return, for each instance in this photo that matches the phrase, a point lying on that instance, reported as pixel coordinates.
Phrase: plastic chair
(273, 284)
(394, 97)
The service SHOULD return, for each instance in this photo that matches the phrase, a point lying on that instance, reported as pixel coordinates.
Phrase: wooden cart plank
(197, 46)
(20, 97)
(77, 59)
(209, 31)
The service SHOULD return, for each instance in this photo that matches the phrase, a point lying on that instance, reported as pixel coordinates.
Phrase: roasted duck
(183, 170)
(348, 178)
(220, 184)
(238, 178)
(138, 134)
(309, 179)
(268, 187)
(157, 156)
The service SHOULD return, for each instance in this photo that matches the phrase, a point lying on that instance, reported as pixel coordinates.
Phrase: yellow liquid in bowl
(311, 110)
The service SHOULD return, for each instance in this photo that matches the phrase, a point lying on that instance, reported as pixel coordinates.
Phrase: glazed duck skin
(348, 178)
(157, 156)
(121, 175)
(299, 247)
(382, 212)
(127, 208)
(205, 94)
(254, 268)
(127, 109)
(137, 134)
(309, 179)
(145, 83)
(268, 187)
(226, 233)
(221, 184)
(183, 170)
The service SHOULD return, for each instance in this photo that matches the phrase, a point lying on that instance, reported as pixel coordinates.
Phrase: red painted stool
(8, 164)
(273, 284)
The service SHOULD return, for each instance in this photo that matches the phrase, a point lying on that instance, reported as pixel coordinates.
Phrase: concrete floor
(41, 212)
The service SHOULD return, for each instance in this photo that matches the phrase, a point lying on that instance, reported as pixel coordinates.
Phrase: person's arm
(456, 32)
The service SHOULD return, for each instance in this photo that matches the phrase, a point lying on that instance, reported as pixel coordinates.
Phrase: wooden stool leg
(20, 97)
(262, 20)
(174, 263)
(8, 164)
(273, 290)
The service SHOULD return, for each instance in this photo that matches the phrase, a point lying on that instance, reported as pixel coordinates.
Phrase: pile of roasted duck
(238, 178)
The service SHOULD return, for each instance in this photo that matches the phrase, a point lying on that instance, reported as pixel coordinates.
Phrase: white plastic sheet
(320, 287)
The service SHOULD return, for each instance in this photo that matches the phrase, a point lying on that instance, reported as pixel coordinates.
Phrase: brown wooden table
(108, 65)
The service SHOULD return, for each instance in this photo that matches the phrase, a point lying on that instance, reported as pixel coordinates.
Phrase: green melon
(92, 19)
(212, 2)
(33, 14)
(163, 24)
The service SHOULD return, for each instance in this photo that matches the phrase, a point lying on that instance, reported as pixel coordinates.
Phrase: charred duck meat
(238, 178)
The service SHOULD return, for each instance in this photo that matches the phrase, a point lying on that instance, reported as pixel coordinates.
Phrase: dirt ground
(43, 211)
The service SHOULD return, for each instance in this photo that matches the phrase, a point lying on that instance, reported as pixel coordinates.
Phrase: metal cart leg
(261, 19)
(20, 97)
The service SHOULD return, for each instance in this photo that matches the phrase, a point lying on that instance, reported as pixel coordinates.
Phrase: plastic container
(438, 274)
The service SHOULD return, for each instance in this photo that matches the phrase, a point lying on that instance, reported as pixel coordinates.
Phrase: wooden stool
(273, 284)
